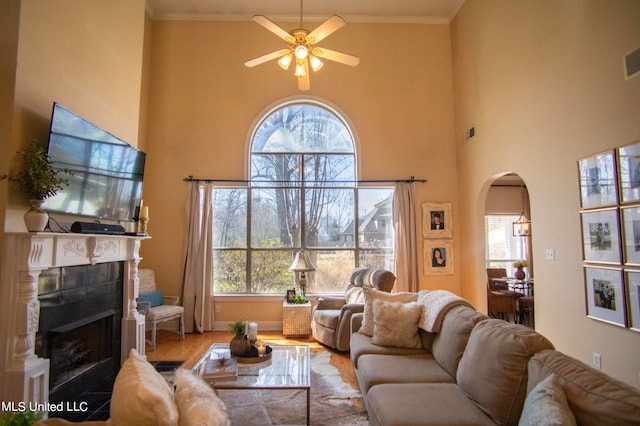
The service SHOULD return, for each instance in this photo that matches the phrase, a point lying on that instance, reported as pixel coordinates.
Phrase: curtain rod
(410, 180)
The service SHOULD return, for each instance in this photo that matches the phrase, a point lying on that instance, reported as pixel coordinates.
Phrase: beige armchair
(156, 307)
(331, 316)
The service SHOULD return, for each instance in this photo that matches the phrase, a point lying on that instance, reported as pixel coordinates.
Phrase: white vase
(35, 218)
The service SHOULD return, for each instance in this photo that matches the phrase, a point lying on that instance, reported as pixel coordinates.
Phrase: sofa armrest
(330, 302)
(343, 331)
(356, 322)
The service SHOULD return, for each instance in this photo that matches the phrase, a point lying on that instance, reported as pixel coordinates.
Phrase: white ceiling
(402, 11)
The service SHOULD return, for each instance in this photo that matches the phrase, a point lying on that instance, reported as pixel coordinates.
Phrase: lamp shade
(302, 263)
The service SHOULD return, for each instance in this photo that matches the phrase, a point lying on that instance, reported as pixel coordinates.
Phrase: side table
(296, 319)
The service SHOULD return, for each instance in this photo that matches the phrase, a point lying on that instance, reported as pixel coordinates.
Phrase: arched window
(302, 194)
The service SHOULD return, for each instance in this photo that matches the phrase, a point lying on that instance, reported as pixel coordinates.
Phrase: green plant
(38, 178)
(238, 327)
(299, 299)
(20, 418)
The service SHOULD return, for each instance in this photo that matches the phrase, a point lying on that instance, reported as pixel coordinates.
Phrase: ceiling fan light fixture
(301, 51)
(316, 63)
(285, 61)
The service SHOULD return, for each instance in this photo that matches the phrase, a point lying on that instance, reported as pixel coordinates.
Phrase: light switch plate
(550, 254)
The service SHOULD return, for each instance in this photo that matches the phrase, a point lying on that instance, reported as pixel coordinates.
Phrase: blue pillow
(153, 297)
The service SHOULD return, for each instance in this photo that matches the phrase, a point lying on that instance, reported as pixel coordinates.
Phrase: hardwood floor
(169, 347)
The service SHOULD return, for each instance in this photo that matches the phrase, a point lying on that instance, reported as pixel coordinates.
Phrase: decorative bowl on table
(253, 357)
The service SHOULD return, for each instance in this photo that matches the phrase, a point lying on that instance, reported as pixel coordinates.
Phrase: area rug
(333, 402)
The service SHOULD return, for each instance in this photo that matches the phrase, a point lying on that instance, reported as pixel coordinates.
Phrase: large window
(302, 194)
(502, 247)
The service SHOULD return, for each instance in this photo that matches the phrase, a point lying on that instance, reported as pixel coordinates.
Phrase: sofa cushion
(594, 397)
(396, 324)
(197, 402)
(141, 396)
(377, 369)
(493, 368)
(546, 405)
(370, 295)
(449, 344)
(361, 344)
(424, 404)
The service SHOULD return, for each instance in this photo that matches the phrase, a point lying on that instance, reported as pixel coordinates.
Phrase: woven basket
(296, 319)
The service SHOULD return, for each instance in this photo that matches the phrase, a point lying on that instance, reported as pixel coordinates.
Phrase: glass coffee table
(288, 367)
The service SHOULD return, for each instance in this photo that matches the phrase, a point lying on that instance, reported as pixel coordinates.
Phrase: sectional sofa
(468, 369)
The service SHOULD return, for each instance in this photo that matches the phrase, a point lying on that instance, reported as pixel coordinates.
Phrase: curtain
(197, 284)
(406, 248)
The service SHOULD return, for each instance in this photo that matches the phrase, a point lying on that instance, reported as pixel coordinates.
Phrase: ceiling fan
(302, 48)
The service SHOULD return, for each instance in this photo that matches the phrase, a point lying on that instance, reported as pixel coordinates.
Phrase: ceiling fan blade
(332, 55)
(325, 29)
(268, 24)
(303, 80)
(304, 83)
(265, 58)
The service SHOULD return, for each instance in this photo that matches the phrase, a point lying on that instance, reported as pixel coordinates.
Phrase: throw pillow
(141, 396)
(547, 405)
(370, 295)
(197, 402)
(396, 324)
(153, 297)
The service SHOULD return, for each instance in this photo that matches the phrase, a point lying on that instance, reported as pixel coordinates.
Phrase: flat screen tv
(107, 172)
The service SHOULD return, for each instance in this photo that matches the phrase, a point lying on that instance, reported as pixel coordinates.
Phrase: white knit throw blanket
(436, 303)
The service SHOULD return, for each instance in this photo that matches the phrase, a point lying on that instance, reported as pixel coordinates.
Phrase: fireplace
(68, 304)
(80, 309)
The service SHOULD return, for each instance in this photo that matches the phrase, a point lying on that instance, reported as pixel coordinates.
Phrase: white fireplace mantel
(24, 377)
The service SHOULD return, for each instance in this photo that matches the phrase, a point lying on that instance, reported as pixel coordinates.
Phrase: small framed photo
(438, 257)
(629, 170)
(291, 296)
(601, 236)
(633, 290)
(598, 181)
(605, 295)
(631, 227)
(437, 221)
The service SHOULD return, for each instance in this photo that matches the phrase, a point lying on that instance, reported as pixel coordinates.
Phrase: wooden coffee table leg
(308, 406)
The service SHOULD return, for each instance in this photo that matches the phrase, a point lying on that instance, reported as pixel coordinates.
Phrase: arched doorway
(507, 246)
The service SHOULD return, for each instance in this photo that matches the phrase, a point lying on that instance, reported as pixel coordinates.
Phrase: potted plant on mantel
(39, 180)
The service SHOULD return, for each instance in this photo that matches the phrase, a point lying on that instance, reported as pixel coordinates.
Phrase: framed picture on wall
(598, 180)
(605, 295)
(631, 235)
(633, 290)
(601, 236)
(438, 257)
(437, 221)
(629, 170)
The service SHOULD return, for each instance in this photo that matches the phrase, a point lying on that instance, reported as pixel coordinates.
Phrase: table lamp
(302, 264)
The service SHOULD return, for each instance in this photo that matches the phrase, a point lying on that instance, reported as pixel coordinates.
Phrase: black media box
(96, 228)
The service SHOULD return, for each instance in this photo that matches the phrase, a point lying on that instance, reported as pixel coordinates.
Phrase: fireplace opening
(79, 330)
(79, 346)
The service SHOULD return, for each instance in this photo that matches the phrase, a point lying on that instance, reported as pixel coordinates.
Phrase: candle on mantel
(144, 213)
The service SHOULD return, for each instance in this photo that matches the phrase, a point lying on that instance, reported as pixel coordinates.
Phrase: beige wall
(543, 83)
(84, 54)
(203, 103)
